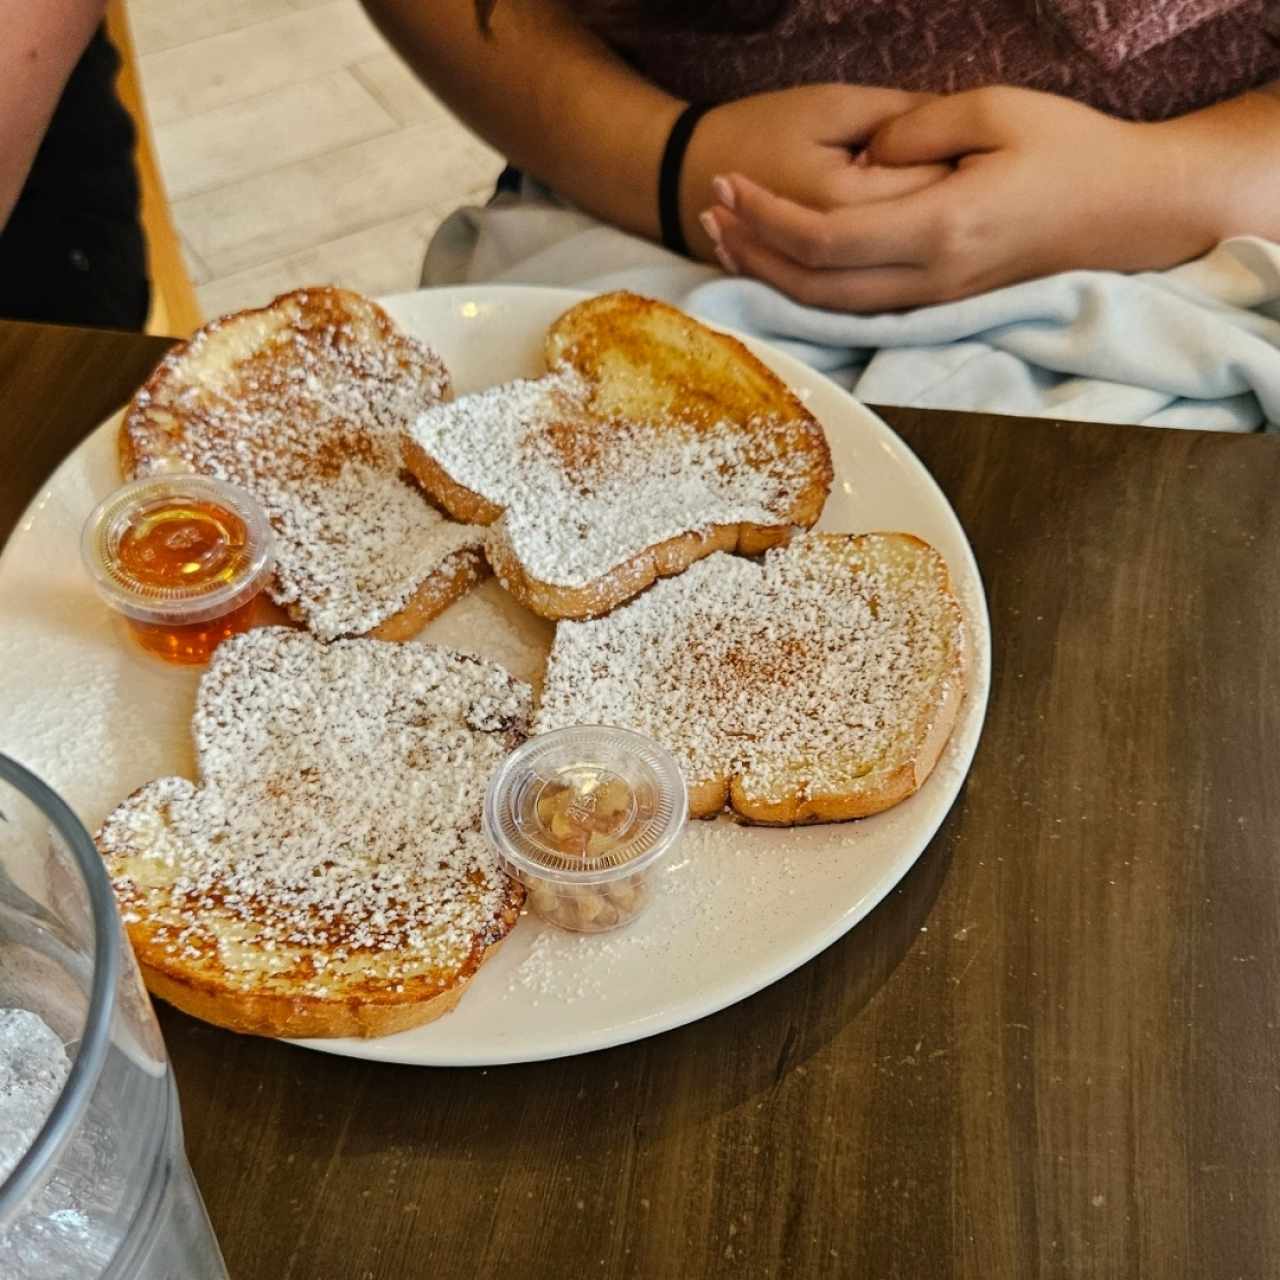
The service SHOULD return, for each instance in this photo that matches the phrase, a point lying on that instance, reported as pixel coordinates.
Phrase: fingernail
(710, 225)
(726, 260)
(723, 191)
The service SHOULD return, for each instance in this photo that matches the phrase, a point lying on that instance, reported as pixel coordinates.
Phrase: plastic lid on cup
(585, 805)
(176, 549)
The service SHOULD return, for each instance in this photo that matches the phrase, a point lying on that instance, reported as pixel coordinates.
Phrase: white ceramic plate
(742, 906)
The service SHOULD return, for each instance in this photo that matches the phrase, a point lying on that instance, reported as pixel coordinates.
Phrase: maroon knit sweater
(1141, 59)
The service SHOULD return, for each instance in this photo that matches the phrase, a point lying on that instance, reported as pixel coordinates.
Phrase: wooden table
(1054, 1050)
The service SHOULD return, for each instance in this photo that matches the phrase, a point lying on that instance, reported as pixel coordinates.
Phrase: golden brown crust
(191, 981)
(303, 1017)
(434, 595)
(249, 949)
(782, 788)
(800, 809)
(604, 594)
(144, 442)
(593, 334)
(708, 797)
(452, 498)
(464, 570)
(317, 300)
(704, 379)
(890, 784)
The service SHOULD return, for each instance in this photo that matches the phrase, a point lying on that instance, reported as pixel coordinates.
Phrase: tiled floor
(296, 147)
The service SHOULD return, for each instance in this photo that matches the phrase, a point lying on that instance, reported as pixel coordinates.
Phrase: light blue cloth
(1197, 346)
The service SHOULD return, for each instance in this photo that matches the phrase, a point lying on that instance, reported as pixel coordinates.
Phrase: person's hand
(1038, 184)
(801, 144)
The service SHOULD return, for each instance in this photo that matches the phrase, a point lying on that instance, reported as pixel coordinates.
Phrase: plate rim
(688, 1009)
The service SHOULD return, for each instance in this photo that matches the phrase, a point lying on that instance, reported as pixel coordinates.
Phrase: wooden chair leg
(175, 310)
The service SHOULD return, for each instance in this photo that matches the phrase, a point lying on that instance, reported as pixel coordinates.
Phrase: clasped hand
(904, 199)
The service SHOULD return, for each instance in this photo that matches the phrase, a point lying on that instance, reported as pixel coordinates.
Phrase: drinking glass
(94, 1180)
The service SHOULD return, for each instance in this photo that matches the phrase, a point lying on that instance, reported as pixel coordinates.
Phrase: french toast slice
(326, 875)
(817, 685)
(651, 442)
(302, 402)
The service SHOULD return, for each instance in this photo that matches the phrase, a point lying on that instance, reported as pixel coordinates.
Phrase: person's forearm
(1226, 165)
(547, 94)
(40, 44)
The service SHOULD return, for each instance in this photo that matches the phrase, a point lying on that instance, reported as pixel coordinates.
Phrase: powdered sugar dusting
(337, 820)
(584, 494)
(697, 912)
(303, 404)
(796, 675)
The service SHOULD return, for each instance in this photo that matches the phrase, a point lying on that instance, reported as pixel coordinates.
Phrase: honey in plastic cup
(583, 817)
(182, 558)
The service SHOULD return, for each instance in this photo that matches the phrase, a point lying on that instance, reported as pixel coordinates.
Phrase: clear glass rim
(96, 1037)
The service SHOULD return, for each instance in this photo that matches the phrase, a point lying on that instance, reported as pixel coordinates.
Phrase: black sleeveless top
(72, 251)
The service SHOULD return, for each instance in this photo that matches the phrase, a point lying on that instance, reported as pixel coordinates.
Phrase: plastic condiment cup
(181, 558)
(583, 817)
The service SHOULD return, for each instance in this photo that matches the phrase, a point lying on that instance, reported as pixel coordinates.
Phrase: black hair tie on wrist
(669, 176)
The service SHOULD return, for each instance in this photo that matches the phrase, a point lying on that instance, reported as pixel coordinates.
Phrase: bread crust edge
(457, 574)
(662, 560)
(709, 797)
(302, 1017)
